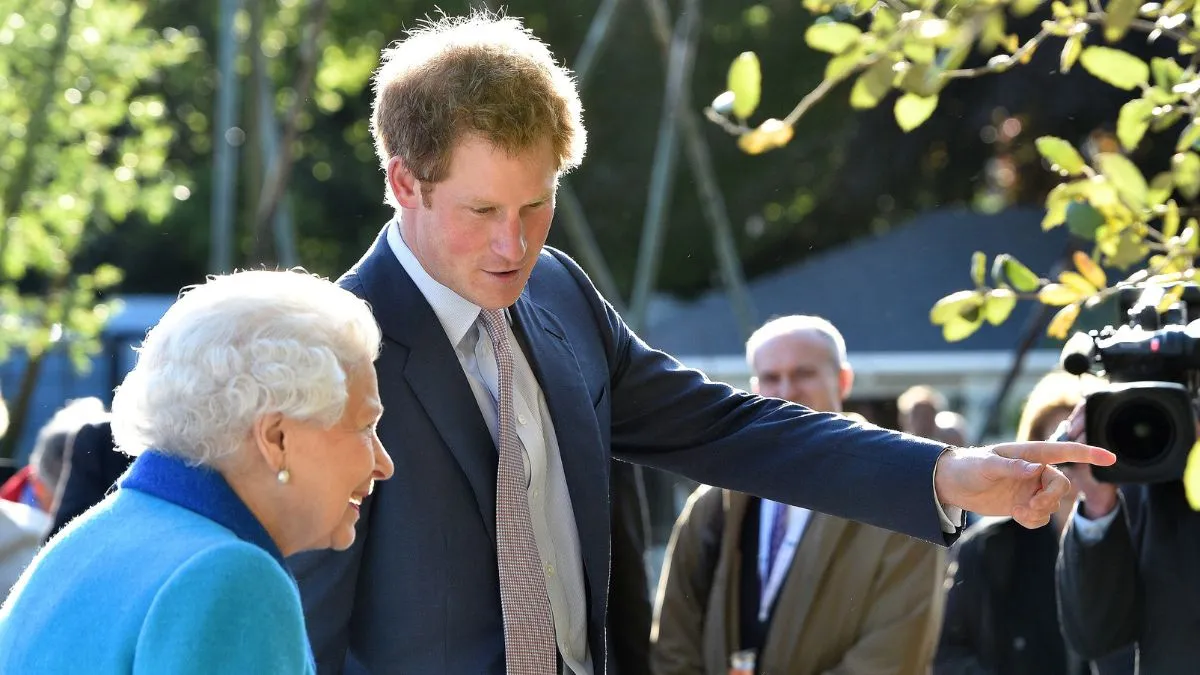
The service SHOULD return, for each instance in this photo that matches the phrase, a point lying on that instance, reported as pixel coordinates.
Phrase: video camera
(1145, 415)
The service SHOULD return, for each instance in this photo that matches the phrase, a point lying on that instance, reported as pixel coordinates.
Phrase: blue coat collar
(200, 490)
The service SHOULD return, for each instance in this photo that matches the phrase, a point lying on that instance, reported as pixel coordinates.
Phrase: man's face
(485, 224)
(801, 367)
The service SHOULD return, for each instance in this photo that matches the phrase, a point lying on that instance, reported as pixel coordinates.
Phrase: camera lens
(1140, 430)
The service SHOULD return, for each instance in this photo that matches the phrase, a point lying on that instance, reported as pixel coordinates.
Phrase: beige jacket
(857, 599)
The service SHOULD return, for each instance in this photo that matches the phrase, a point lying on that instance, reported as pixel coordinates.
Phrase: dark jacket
(1139, 584)
(91, 468)
(1001, 616)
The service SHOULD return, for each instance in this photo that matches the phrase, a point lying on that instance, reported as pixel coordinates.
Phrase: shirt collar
(201, 490)
(456, 314)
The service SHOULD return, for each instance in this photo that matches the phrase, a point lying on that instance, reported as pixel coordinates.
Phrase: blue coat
(419, 590)
(170, 574)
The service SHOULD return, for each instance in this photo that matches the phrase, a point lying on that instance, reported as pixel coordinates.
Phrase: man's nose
(508, 241)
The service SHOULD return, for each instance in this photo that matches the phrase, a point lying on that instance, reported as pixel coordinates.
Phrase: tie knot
(493, 321)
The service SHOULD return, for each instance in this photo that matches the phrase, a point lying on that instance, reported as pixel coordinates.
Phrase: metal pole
(711, 198)
(662, 173)
(224, 153)
(573, 216)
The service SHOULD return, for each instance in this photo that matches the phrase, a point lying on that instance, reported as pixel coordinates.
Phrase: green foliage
(1132, 223)
(84, 147)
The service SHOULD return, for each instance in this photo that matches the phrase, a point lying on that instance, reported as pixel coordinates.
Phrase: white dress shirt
(771, 580)
(550, 509)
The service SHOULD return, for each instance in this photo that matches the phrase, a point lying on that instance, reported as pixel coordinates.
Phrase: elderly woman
(252, 411)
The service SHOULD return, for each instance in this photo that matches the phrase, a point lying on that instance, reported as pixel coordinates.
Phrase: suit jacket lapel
(813, 556)
(584, 460)
(433, 372)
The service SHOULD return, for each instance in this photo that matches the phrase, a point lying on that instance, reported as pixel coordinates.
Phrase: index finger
(1046, 452)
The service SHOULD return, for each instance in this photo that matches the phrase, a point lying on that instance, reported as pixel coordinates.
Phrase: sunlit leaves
(911, 110)
(1061, 155)
(1118, 68)
(745, 81)
(102, 156)
(832, 37)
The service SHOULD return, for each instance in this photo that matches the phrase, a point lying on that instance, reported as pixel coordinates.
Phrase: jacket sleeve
(677, 635)
(230, 609)
(1100, 603)
(959, 646)
(900, 629)
(675, 419)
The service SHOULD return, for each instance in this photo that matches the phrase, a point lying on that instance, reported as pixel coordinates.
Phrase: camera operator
(1129, 569)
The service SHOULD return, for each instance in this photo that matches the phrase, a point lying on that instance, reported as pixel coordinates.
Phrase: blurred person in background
(37, 484)
(21, 530)
(951, 428)
(252, 413)
(90, 471)
(918, 408)
(1001, 615)
(798, 591)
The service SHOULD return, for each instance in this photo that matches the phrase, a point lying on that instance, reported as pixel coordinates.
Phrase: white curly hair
(236, 348)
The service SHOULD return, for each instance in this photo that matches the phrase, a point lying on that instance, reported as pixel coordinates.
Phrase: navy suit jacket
(419, 591)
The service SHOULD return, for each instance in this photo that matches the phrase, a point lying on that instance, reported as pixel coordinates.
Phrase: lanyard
(772, 580)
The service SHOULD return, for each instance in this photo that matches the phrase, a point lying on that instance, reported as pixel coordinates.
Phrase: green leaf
(1118, 68)
(1133, 121)
(978, 268)
(1070, 53)
(1008, 269)
(959, 328)
(1119, 14)
(1061, 155)
(999, 305)
(1185, 169)
(1056, 206)
(832, 37)
(919, 51)
(912, 110)
(1189, 136)
(1168, 119)
(1161, 188)
(745, 81)
(872, 86)
(1125, 177)
(106, 276)
(841, 66)
(1167, 73)
(1122, 248)
(1083, 220)
(954, 306)
(1170, 223)
(1023, 8)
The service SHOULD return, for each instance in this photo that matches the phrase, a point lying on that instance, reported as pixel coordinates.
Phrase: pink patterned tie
(529, 644)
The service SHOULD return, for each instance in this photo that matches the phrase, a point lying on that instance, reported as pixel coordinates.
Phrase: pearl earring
(283, 476)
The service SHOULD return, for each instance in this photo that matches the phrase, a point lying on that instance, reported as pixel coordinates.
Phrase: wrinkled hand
(1012, 479)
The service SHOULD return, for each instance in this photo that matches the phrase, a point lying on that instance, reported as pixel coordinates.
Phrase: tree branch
(1016, 57)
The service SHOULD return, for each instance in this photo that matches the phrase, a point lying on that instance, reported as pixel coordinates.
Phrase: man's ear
(753, 385)
(269, 437)
(404, 185)
(845, 382)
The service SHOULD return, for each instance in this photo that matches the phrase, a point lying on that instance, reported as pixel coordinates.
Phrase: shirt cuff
(1092, 531)
(950, 516)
